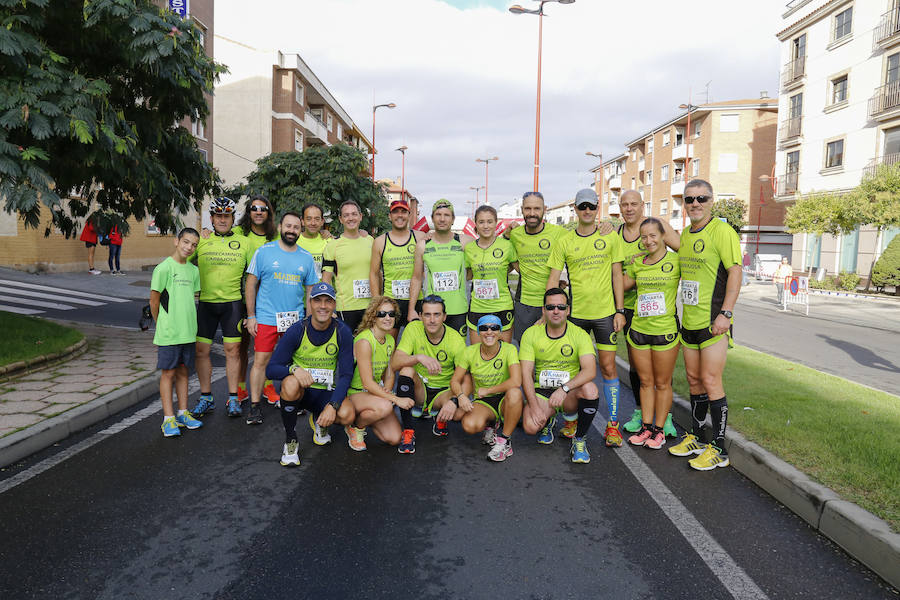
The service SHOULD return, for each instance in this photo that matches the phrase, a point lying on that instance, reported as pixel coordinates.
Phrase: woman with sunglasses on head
(373, 379)
(653, 338)
(496, 378)
(488, 263)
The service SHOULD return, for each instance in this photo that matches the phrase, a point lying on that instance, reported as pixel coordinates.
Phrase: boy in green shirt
(172, 289)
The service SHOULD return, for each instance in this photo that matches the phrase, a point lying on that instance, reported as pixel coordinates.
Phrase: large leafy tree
(91, 94)
(326, 175)
(733, 210)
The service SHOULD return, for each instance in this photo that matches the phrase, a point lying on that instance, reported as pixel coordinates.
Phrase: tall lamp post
(476, 188)
(518, 10)
(762, 180)
(402, 150)
(374, 108)
(687, 155)
(486, 161)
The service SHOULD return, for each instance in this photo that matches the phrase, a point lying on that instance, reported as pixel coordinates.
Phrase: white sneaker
(321, 437)
(489, 436)
(501, 451)
(290, 457)
(94, 271)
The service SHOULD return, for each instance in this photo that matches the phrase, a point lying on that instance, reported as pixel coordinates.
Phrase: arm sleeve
(729, 246)
(407, 343)
(618, 253)
(513, 255)
(253, 267)
(196, 273)
(283, 356)
(512, 355)
(462, 359)
(526, 346)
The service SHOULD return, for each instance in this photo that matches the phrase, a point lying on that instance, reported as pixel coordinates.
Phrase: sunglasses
(488, 328)
(700, 199)
(549, 307)
(258, 208)
(586, 206)
(433, 299)
(386, 313)
(535, 194)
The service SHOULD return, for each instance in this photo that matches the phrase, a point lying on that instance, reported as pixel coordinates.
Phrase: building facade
(839, 115)
(730, 144)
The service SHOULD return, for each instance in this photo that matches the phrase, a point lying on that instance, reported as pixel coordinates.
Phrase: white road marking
(63, 295)
(34, 286)
(29, 302)
(19, 310)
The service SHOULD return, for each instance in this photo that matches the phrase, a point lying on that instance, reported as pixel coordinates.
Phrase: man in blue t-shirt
(278, 282)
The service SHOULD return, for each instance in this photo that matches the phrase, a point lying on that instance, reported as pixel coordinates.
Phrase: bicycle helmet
(221, 206)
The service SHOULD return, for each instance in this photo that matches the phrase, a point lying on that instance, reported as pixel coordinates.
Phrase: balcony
(888, 159)
(682, 151)
(887, 33)
(790, 131)
(316, 128)
(677, 186)
(641, 164)
(787, 184)
(615, 182)
(885, 104)
(793, 72)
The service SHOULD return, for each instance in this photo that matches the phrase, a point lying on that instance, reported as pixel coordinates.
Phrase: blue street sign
(180, 7)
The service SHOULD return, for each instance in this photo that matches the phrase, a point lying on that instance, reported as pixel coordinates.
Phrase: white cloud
(464, 80)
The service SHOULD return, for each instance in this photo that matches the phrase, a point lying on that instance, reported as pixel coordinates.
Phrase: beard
(289, 238)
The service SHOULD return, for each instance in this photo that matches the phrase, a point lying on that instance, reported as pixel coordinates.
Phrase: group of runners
(355, 327)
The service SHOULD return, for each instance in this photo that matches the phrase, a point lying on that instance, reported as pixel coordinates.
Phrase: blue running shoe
(546, 435)
(205, 404)
(579, 451)
(188, 420)
(233, 407)
(416, 412)
(170, 427)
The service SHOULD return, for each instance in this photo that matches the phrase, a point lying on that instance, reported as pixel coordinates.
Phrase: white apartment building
(839, 115)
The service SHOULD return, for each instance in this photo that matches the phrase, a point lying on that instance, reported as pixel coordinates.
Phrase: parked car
(764, 265)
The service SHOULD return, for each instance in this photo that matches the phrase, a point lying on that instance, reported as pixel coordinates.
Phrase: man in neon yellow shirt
(346, 266)
(312, 239)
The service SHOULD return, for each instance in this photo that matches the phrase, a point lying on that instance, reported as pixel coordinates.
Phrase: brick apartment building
(730, 144)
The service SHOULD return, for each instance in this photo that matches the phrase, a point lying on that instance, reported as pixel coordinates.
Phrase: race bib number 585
(651, 305)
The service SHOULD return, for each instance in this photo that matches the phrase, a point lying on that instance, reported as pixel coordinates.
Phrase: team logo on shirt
(498, 364)
(642, 247)
(234, 245)
(600, 244)
(331, 349)
(567, 350)
(498, 253)
(667, 267)
(699, 245)
(410, 249)
(441, 355)
(614, 338)
(670, 337)
(544, 244)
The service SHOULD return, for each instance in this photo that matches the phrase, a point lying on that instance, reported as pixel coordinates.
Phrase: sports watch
(728, 314)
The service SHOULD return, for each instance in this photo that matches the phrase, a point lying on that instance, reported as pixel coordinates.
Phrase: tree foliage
(733, 210)
(818, 213)
(887, 268)
(326, 175)
(91, 92)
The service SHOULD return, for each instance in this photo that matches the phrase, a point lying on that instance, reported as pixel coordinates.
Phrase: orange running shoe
(242, 394)
(613, 437)
(270, 394)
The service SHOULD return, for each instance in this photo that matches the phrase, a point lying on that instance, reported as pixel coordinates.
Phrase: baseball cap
(586, 195)
(399, 203)
(489, 320)
(323, 289)
(442, 203)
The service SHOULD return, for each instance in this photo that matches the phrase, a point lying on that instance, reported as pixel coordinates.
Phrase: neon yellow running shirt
(533, 251)
(445, 274)
(556, 360)
(415, 341)
(222, 260)
(490, 271)
(589, 260)
(705, 257)
(632, 251)
(657, 288)
(320, 361)
(381, 356)
(488, 373)
(316, 247)
(397, 266)
(348, 259)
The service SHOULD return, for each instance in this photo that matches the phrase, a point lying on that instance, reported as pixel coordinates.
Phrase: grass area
(28, 337)
(842, 434)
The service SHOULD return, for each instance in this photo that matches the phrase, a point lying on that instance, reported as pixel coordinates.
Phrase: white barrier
(796, 291)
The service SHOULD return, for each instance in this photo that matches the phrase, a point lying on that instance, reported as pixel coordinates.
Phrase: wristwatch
(336, 405)
(620, 311)
(564, 388)
(728, 314)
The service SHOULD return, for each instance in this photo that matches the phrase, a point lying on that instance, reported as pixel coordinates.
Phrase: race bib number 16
(690, 292)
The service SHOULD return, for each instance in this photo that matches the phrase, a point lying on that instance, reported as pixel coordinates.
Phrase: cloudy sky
(463, 76)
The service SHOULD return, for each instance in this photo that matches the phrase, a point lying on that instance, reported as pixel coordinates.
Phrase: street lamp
(518, 10)
(374, 108)
(486, 161)
(402, 150)
(762, 180)
(476, 188)
(600, 156)
(687, 155)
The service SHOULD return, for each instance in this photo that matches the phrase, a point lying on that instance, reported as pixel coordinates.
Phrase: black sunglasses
(549, 307)
(700, 199)
(488, 328)
(433, 299)
(535, 194)
(258, 208)
(586, 206)
(386, 313)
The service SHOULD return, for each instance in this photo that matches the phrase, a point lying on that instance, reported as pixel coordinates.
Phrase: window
(695, 167)
(893, 68)
(648, 209)
(792, 164)
(728, 163)
(664, 173)
(633, 154)
(201, 37)
(198, 130)
(649, 176)
(834, 154)
(664, 207)
(632, 183)
(796, 106)
(666, 137)
(679, 137)
(340, 132)
(298, 93)
(298, 140)
(842, 23)
(605, 197)
(799, 48)
(729, 123)
(839, 89)
(891, 141)
(697, 129)
(330, 122)
(650, 145)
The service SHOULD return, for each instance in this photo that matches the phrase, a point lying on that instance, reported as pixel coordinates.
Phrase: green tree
(326, 175)
(91, 92)
(887, 268)
(733, 210)
(818, 213)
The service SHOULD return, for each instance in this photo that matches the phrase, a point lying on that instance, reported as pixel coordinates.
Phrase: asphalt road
(213, 515)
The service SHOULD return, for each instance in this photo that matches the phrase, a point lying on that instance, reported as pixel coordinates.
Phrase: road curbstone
(26, 366)
(864, 536)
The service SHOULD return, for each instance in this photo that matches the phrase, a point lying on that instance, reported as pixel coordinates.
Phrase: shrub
(847, 281)
(887, 268)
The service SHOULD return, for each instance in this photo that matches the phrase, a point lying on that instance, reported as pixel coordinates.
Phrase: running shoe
(613, 437)
(501, 450)
(321, 437)
(355, 438)
(170, 427)
(270, 393)
(656, 441)
(205, 404)
(254, 417)
(187, 420)
(433, 412)
(639, 439)
(407, 442)
(711, 458)
(94, 271)
(579, 451)
(489, 436)
(689, 445)
(233, 408)
(416, 412)
(635, 423)
(242, 394)
(669, 427)
(290, 455)
(569, 428)
(546, 435)
(439, 428)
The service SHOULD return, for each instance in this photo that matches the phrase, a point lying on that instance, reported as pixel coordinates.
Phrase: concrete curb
(25, 442)
(861, 534)
(39, 362)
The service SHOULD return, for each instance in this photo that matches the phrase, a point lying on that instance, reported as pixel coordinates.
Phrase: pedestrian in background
(89, 237)
(746, 268)
(115, 250)
(783, 270)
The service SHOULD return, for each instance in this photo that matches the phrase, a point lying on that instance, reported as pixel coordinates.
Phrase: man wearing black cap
(314, 360)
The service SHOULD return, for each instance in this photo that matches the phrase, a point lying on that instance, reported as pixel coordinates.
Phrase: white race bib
(552, 379)
(651, 305)
(284, 320)
(445, 281)
(400, 289)
(690, 292)
(361, 288)
(485, 289)
(322, 376)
